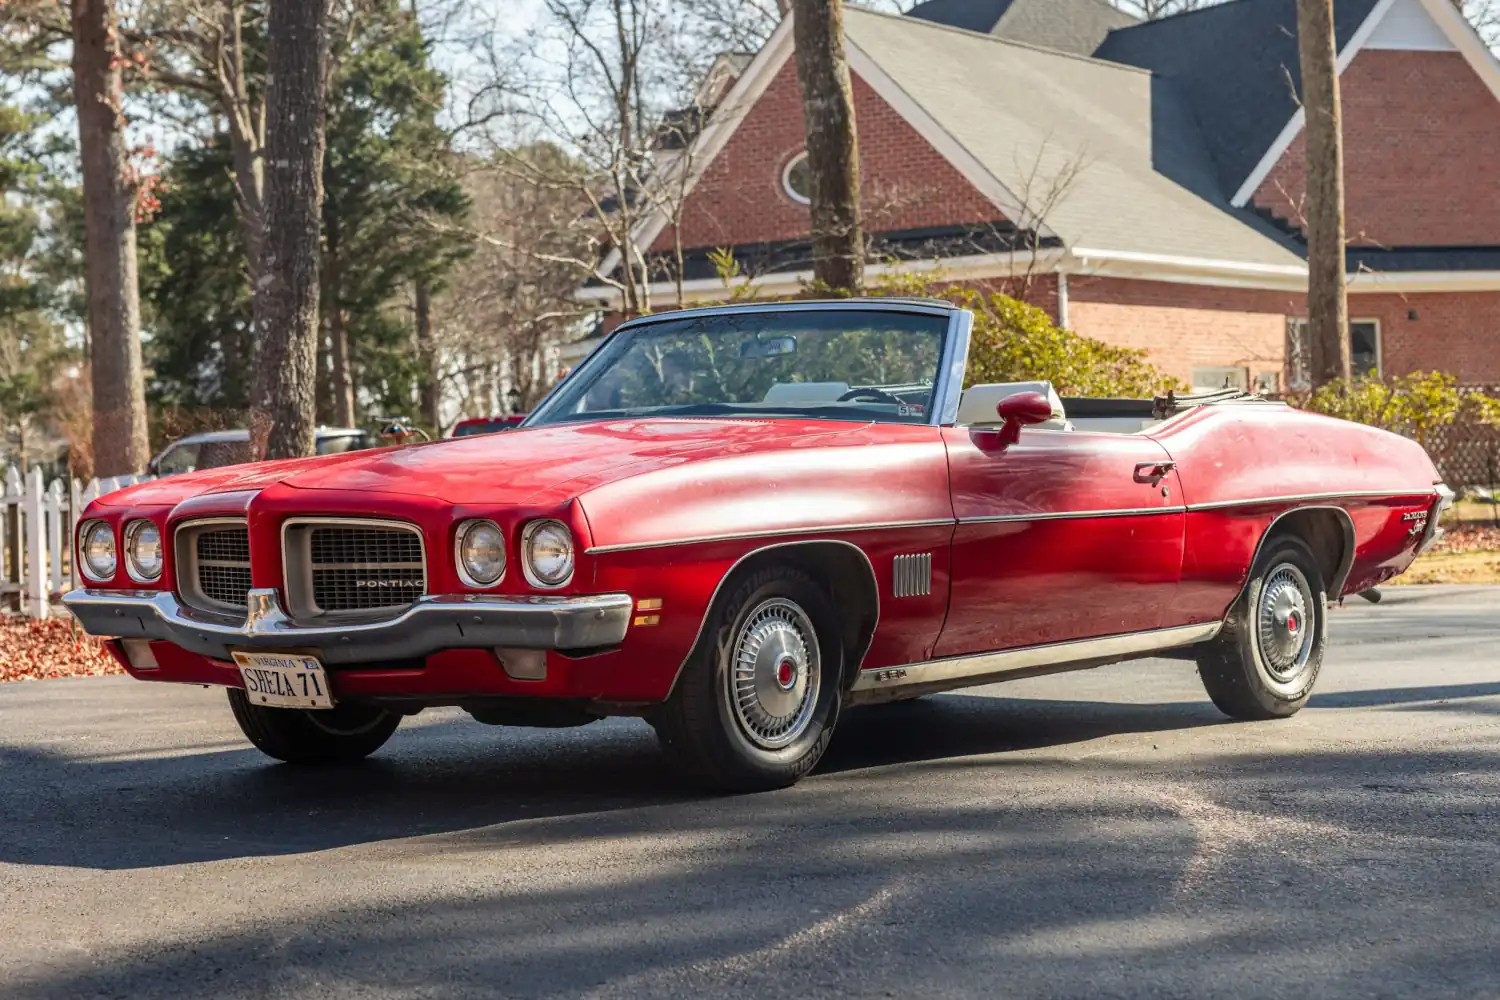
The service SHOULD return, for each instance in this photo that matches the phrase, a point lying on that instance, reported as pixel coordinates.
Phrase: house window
(796, 180)
(1364, 351)
(1210, 379)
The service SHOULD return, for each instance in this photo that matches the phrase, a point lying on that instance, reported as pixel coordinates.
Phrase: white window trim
(786, 179)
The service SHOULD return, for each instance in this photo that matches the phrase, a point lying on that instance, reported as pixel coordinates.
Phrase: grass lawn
(1454, 567)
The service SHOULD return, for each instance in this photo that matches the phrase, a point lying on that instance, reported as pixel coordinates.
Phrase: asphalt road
(1104, 834)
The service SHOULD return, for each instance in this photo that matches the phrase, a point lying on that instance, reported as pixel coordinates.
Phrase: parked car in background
(216, 449)
(485, 425)
(739, 522)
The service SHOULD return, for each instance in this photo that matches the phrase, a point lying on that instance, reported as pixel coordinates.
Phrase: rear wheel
(756, 704)
(1264, 663)
(343, 734)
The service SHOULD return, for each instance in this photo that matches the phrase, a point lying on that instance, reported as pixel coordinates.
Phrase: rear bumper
(432, 625)
(1433, 531)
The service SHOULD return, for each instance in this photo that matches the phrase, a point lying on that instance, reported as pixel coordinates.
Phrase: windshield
(836, 364)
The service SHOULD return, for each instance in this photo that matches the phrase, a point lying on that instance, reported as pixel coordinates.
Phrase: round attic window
(796, 180)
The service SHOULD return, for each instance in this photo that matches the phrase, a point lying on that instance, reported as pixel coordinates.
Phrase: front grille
(213, 561)
(345, 566)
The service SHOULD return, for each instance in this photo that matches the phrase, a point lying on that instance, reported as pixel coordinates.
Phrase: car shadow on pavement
(454, 775)
(1406, 696)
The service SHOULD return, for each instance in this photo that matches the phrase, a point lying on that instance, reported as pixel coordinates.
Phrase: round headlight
(548, 553)
(96, 542)
(143, 557)
(481, 553)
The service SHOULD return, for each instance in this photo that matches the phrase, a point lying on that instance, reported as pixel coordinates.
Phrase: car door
(1064, 535)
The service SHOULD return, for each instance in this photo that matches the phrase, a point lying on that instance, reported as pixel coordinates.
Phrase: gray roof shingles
(1237, 65)
(1145, 180)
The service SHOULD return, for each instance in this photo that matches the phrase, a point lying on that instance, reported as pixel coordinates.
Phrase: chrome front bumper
(428, 626)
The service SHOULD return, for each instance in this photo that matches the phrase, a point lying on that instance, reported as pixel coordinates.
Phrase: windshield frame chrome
(952, 363)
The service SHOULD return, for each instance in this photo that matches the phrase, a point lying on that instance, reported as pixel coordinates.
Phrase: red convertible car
(739, 522)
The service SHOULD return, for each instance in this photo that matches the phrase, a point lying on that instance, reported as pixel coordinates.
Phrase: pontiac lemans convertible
(737, 523)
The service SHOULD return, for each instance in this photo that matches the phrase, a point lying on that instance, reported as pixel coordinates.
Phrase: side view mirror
(1022, 410)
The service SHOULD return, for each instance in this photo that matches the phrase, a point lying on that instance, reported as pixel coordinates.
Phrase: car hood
(538, 465)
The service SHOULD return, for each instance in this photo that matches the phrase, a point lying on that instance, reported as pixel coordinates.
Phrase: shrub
(1425, 406)
(1017, 342)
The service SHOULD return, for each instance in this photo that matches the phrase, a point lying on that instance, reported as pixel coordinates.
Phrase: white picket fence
(36, 537)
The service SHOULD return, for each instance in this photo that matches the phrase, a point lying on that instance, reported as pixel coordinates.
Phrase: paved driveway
(1094, 835)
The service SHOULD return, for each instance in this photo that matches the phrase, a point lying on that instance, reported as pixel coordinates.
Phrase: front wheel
(343, 734)
(756, 704)
(1265, 661)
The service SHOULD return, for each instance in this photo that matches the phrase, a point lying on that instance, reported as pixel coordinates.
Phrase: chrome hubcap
(1284, 623)
(774, 673)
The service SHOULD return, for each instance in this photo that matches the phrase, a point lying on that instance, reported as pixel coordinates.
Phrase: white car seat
(976, 407)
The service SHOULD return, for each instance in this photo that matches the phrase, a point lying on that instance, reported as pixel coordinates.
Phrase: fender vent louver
(912, 575)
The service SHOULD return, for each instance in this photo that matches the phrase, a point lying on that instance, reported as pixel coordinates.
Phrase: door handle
(1153, 472)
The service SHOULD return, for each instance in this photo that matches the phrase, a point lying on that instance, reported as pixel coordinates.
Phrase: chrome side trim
(958, 671)
(773, 533)
(718, 587)
(1299, 497)
(434, 623)
(1073, 514)
(911, 575)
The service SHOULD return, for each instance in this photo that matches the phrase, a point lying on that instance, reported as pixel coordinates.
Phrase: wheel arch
(1327, 529)
(841, 567)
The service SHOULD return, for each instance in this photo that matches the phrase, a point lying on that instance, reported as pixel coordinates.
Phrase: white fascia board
(1412, 282)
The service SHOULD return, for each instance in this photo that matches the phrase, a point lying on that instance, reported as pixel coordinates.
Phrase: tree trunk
(427, 358)
(284, 403)
(832, 145)
(1327, 301)
(114, 306)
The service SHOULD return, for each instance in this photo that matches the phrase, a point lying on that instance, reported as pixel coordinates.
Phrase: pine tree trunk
(427, 356)
(1327, 300)
(284, 403)
(114, 308)
(832, 145)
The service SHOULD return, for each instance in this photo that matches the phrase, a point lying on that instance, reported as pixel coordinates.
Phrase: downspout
(1062, 298)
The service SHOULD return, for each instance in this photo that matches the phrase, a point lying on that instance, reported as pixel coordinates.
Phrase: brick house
(1140, 181)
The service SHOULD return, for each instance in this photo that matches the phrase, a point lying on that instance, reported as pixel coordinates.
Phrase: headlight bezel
(130, 536)
(460, 541)
(85, 566)
(528, 564)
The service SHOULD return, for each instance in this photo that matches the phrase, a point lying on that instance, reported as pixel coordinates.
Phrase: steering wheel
(870, 394)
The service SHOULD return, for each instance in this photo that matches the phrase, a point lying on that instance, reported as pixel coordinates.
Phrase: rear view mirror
(1022, 410)
(773, 347)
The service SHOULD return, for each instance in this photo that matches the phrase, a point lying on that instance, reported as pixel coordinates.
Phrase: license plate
(284, 680)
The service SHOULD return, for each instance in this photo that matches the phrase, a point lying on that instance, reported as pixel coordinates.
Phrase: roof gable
(1121, 144)
(1238, 68)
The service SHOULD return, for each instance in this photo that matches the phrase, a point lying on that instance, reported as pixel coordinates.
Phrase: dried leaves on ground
(1469, 538)
(33, 650)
